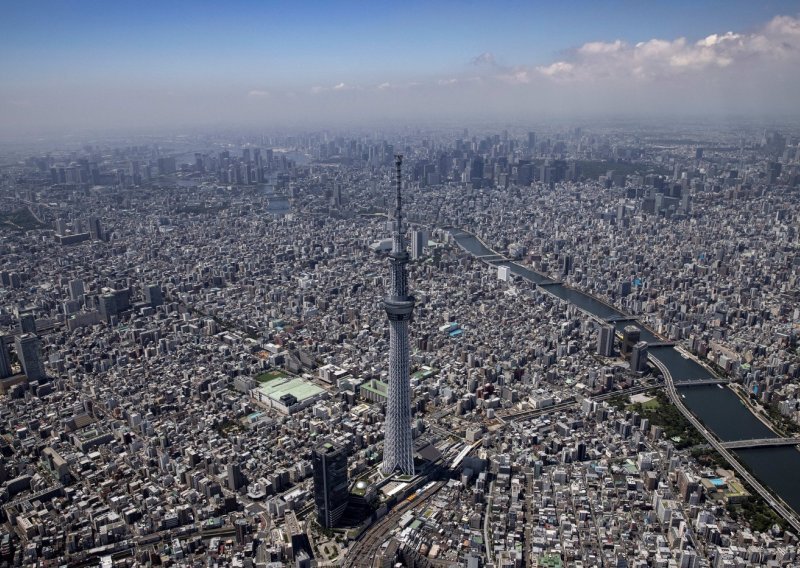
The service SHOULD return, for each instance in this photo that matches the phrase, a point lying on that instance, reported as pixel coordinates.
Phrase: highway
(760, 443)
(788, 515)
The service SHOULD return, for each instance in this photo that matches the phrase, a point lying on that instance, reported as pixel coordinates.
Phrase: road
(487, 524)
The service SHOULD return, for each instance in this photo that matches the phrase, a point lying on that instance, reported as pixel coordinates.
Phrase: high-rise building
(630, 337)
(417, 244)
(76, 289)
(27, 323)
(398, 445)
(29, 353)
(566, 264)
(605, 341)
(95, 231)
(639, 357)
(235, 477)
(329, 462)
(504, 273)
(107, 305)
(153, 295)
(5, 360)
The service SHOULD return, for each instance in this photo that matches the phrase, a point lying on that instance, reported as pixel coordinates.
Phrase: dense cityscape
(196, 361)
(410, 284)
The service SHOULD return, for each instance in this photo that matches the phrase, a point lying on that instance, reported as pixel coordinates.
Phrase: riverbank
(726, 421)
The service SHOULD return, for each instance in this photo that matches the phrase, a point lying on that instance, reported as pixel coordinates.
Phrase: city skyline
(86, 67)
(605, 332)
(457, 284)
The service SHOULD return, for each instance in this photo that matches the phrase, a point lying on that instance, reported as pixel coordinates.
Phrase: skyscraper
(235, 477)
(630, 337)
(398, 446)
(76, 289)
(153, 295)
(27, 323)
(330, 483)
(639, 357)
(5, 360)
(417, 244)
(29, 353)
(605, 341)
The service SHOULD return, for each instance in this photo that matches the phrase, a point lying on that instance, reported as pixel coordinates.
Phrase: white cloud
(341, 86)
(557, 69)
(594, 47)
(256, 93)
(777, 41)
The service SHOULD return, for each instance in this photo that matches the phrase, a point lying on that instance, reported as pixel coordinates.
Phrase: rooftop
(299, 388)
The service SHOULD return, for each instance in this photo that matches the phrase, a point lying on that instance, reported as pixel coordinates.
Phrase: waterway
(720, 409)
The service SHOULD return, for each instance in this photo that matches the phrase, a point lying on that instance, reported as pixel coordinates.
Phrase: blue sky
(78, 47)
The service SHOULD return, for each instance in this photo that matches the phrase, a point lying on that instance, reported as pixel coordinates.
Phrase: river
(720, 409)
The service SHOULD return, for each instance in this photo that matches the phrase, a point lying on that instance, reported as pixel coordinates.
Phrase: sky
(72, 65)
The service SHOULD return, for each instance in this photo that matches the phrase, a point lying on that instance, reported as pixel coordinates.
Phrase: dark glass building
(330, 483)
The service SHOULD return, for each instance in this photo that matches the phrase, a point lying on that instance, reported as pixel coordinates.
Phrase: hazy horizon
(88, 67)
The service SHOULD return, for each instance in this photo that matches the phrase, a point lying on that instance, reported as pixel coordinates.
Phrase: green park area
(660, 411)
(271, 376)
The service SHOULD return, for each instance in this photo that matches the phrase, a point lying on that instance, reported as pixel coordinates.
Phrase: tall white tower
(398, 445)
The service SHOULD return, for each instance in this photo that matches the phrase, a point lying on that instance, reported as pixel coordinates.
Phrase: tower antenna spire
(398, 243)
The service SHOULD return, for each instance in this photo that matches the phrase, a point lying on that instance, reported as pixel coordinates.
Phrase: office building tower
(95, 230)
(61, 227)
(605, 341)
(235, 478)
(242, 530)
(398, 448)
(76, 289)
(329, 462)
(531, 141)
(566, 264)
(639, 357)
(107, 305)
(417, 244)
(29, 353)
(504, 273)
(630, 337)
(5, 359)
(153, 295)
(27, 323)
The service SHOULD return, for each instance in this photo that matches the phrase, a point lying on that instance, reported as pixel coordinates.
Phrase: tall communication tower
(398, 446)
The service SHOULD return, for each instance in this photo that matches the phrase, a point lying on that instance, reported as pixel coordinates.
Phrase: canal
(720, 409)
